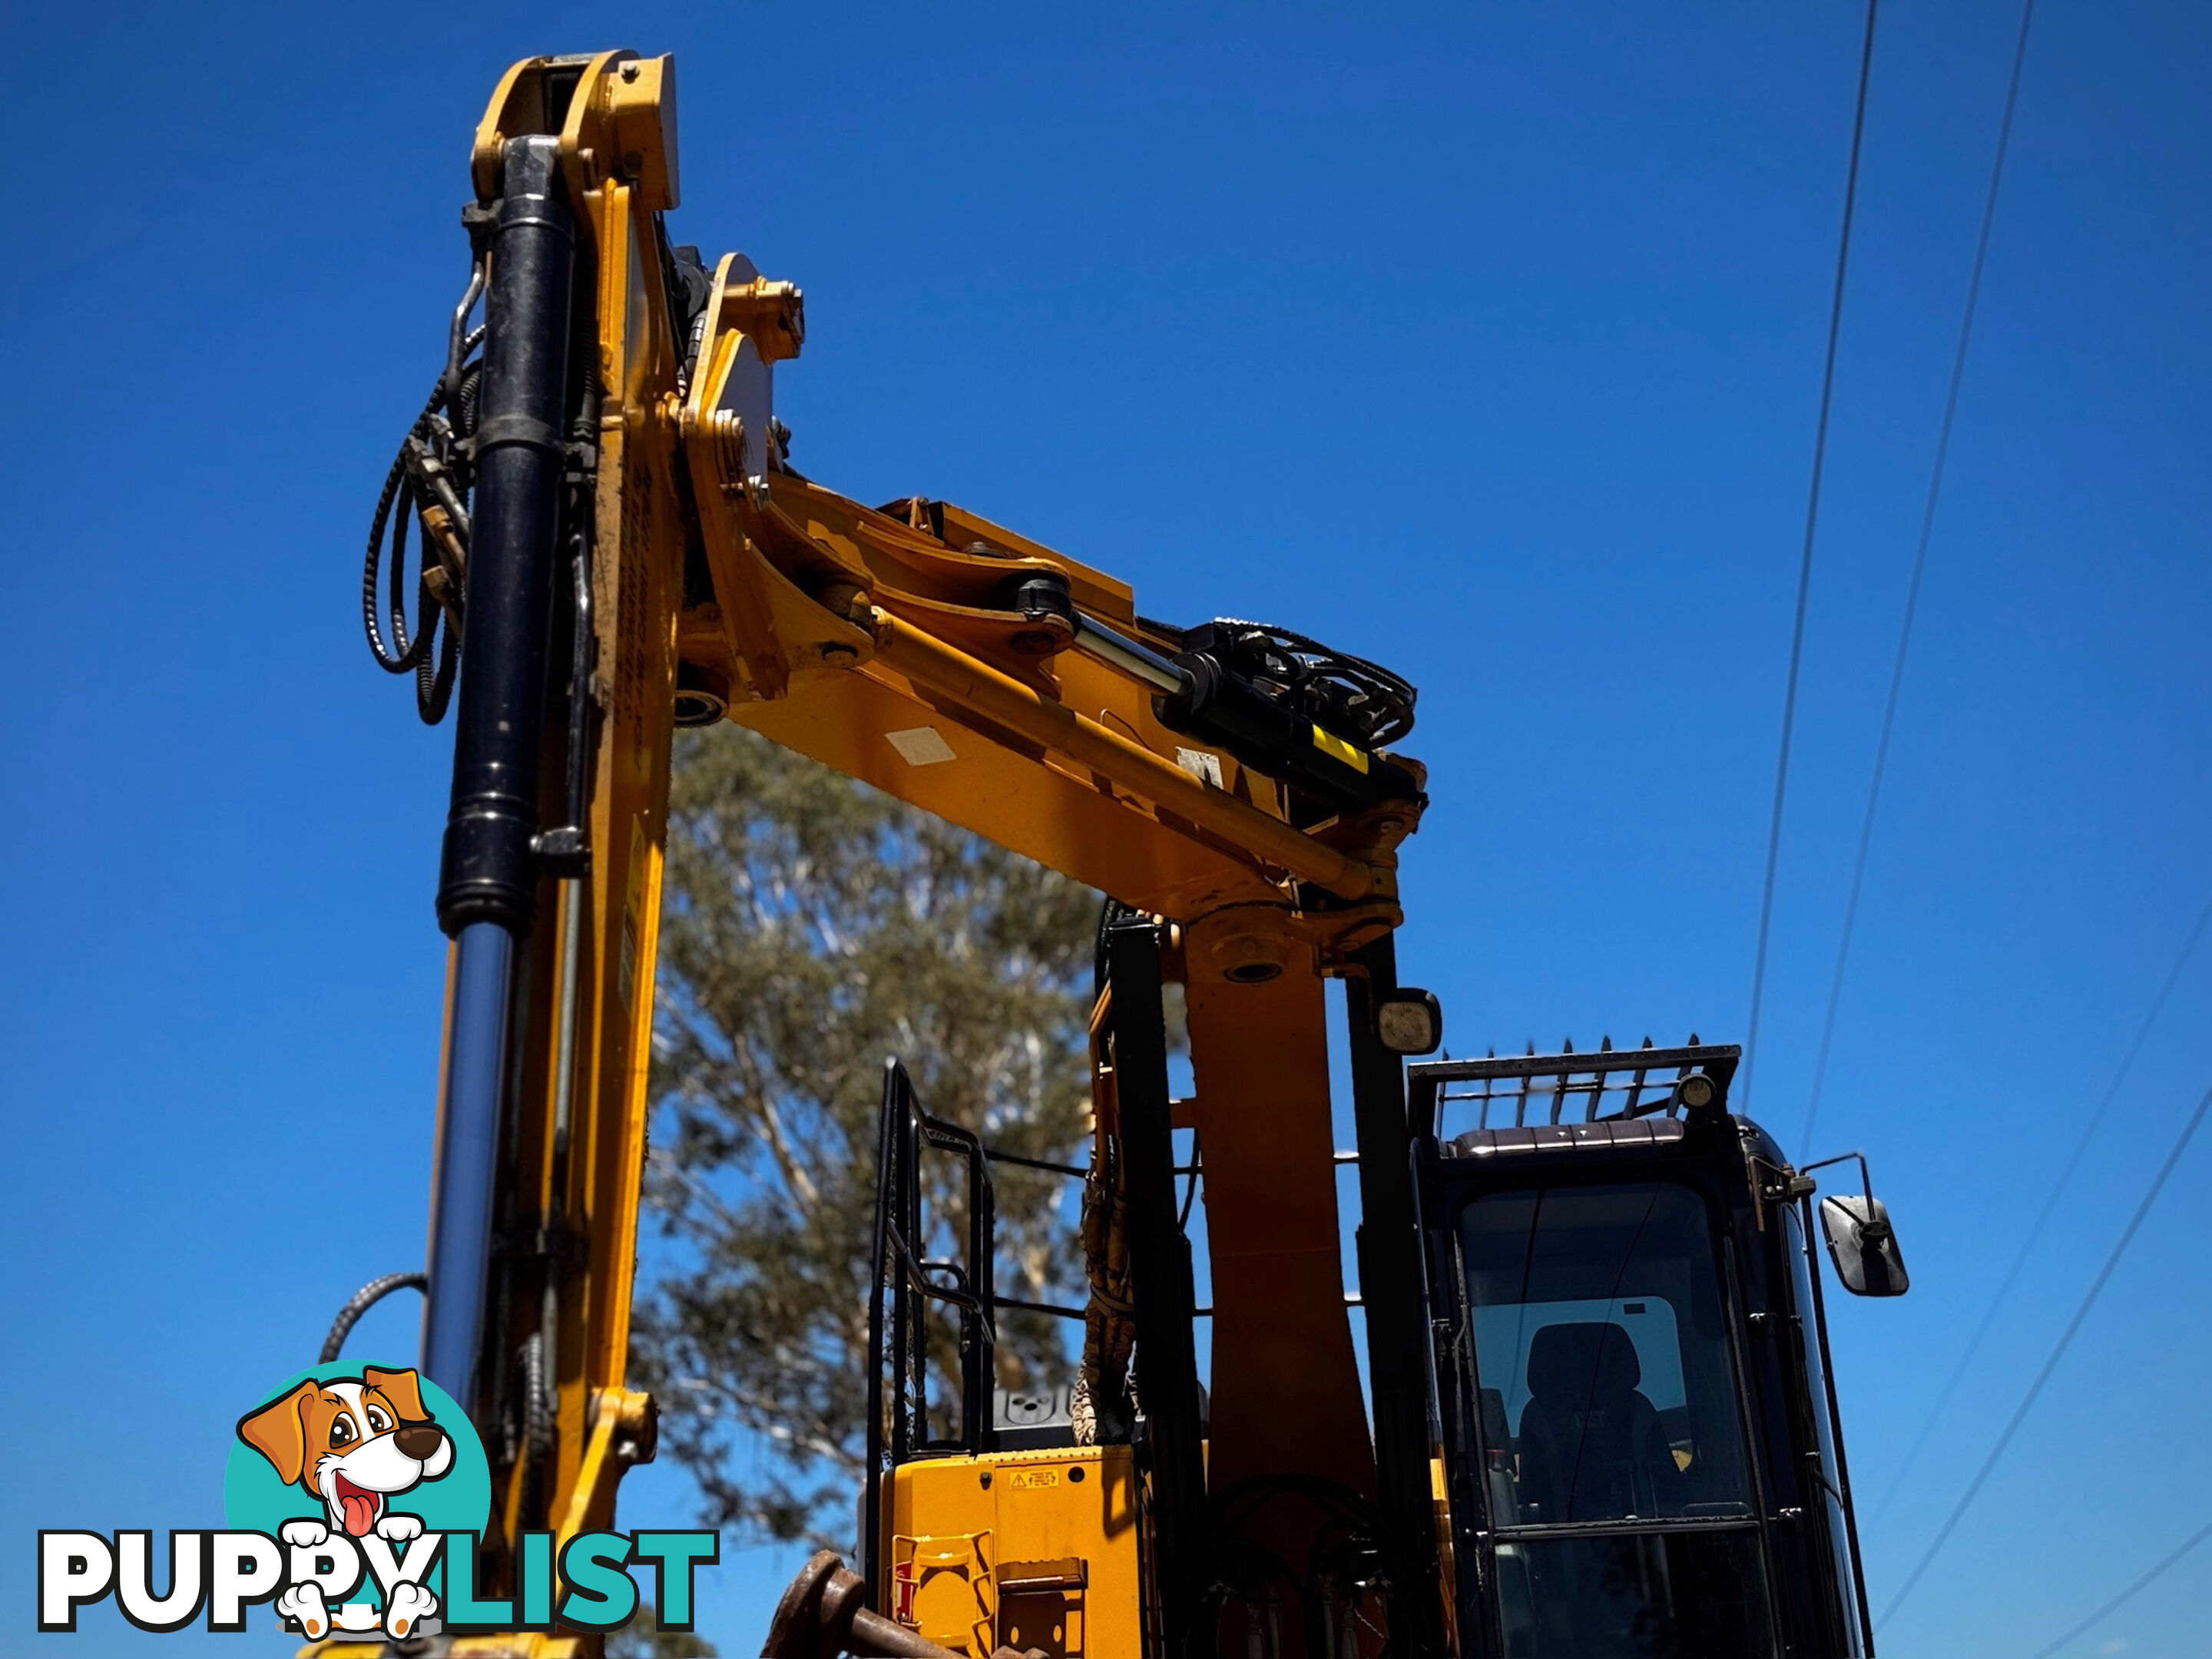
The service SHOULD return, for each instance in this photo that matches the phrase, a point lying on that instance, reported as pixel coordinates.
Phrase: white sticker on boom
(921, 746)
(1201, 765)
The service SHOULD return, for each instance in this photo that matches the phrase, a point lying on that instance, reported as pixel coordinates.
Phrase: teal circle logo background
(255, 1497)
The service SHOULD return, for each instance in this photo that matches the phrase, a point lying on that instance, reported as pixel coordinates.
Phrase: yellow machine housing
(1029, 1550)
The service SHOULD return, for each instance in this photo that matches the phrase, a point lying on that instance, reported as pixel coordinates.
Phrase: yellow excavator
(1595, 1416)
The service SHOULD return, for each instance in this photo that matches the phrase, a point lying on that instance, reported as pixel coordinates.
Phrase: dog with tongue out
(353, 1444)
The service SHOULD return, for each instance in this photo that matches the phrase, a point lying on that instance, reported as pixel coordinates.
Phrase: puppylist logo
(356, 1498)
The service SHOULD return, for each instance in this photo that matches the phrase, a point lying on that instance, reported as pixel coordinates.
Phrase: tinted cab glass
(1620, 1497)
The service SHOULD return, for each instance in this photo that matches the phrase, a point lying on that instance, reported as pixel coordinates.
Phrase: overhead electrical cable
(1805, 560)
(2130, 1592)
(2050, 1206)
(1919, 568)
(2065, 1341)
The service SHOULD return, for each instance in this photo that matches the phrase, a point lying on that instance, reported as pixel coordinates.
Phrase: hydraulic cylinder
(487, 879)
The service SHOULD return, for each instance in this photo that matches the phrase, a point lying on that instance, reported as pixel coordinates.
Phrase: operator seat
(1592, 1448)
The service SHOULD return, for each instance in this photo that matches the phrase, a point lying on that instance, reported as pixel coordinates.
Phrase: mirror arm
(1866, 1178)
(1871, 1231)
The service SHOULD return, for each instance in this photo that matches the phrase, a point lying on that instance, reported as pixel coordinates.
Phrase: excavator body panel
(1029, 1550)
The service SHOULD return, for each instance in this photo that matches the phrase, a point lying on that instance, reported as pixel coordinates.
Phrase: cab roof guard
(1547, 1088)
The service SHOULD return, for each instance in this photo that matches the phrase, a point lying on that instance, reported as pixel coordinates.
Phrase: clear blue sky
(1482, 340)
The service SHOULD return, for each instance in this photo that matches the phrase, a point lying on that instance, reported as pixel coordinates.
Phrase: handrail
(903, 1282)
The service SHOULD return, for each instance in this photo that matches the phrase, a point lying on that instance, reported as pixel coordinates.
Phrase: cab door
(1610, 1501)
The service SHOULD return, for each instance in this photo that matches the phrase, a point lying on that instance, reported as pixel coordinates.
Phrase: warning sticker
(1201, 765)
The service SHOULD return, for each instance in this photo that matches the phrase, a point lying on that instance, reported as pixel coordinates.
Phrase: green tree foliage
(812, 927)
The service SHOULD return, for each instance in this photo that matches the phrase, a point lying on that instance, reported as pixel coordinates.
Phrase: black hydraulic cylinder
(488, 876)
(1219, 705)
(1391, 1287)
(1159, 1272)
(488, 872)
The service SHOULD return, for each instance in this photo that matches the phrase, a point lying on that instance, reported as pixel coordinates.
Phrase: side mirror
(1409, 1022)
(1863, 1245)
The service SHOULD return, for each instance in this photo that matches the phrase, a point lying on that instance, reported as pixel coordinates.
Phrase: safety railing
(1525, 1091)
(906, 1283)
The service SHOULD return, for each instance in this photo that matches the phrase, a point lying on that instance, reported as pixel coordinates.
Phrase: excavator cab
(1639, 1435)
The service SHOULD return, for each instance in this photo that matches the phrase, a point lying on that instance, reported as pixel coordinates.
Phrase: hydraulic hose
(361, 1301)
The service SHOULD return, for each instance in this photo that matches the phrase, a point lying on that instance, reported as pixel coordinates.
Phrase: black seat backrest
(1586, 1363)
(1591, 1446)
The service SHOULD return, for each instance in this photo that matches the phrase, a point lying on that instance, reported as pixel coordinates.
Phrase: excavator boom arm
(634, 552)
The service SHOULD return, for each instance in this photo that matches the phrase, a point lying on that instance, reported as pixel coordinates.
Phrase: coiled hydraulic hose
(429, 473)
(362, 1300)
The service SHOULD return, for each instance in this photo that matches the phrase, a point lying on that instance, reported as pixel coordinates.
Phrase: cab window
(1621, 1520)
(1606, 1387)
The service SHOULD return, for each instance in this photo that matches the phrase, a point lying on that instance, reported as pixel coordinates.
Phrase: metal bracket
(555, 1243)
(564, 851)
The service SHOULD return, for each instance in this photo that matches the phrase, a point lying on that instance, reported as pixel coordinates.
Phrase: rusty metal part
(824, 1613)
(1100, 1408)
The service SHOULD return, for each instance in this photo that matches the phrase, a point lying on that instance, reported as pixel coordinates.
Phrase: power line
(1919, 566)
(2050, 1205)
(1805, 560)
(2129, 1594)
(2051, 1364)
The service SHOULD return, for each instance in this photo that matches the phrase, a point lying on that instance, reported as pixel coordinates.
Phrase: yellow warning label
(1033, 1479)
(1351, 754)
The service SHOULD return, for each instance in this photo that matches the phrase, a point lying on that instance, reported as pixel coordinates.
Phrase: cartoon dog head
(352, 1444)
